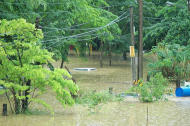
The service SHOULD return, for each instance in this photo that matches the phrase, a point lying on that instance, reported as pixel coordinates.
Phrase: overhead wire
(98, 28)
(64, 28)
(92, 37)
(84, 33)
(79, 35)
(71, 29)
(62, 36)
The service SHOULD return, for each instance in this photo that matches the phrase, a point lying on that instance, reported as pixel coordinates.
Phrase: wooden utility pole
(133, 65)
(140, 51)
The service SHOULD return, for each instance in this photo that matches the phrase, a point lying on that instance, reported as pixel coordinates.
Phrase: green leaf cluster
(172, 60)
(153, 90)
(22, 64)
(173, 28)
(93, 98)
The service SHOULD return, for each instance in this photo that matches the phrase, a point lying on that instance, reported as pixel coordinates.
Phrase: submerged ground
(129, 112)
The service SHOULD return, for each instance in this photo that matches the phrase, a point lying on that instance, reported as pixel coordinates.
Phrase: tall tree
(173, 28)
(22, 64)
(65, 22)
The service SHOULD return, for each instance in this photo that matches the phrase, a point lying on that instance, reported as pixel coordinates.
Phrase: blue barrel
(182, 92)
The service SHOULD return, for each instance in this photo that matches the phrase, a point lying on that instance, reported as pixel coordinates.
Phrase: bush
(93, 98)
(152, 90)
(172, 60)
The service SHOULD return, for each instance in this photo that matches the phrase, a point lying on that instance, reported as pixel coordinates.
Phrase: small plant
(93, 98)
(153, 90)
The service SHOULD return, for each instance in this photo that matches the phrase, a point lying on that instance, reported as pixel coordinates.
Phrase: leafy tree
(173, 28)
(64, 22)
(172, 60)
(23, 71)
(94, 24)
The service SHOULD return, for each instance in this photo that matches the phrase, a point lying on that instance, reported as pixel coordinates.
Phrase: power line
(91, 29)
(79, 40)
(58, 37)
(65, 27)
(71, 29)
(79, 35)
(86, 33)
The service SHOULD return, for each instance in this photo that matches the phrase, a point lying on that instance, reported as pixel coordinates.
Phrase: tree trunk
(25, 102)
(188, 4)
(110, 55)
(124, 55)
(16, 102)
(177, 83)
(62, 62)
(17, 105)
(89, 50)
(101, 54)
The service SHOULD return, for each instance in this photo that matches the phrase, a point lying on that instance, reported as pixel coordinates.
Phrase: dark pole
(188, 4)
(132, 44)
(4, 110)
(140, 51)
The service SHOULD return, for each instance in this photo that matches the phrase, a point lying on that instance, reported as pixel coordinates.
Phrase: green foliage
(172, 60)
(153, 90)
(22, 64)
(173, 28)
(63, 20)
(93, 98)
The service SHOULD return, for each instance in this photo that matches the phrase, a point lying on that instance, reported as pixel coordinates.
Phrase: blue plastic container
(182, 92)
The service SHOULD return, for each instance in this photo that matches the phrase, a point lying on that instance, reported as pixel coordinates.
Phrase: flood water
(130, 112)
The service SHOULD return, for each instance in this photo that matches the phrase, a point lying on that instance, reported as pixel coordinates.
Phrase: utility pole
(188, 4)
(133, 68)
(140, 51)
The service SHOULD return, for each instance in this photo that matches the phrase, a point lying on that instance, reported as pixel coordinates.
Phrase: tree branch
(8, 56)
(19, 56)
(9, 102)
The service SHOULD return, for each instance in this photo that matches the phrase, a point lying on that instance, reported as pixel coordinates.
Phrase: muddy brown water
(130, 112)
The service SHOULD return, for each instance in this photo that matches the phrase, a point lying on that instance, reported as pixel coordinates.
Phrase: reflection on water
(130, 112)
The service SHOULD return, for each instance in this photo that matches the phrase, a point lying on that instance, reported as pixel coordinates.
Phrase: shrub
(153, 90)
(93, 98)
(172, 60)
